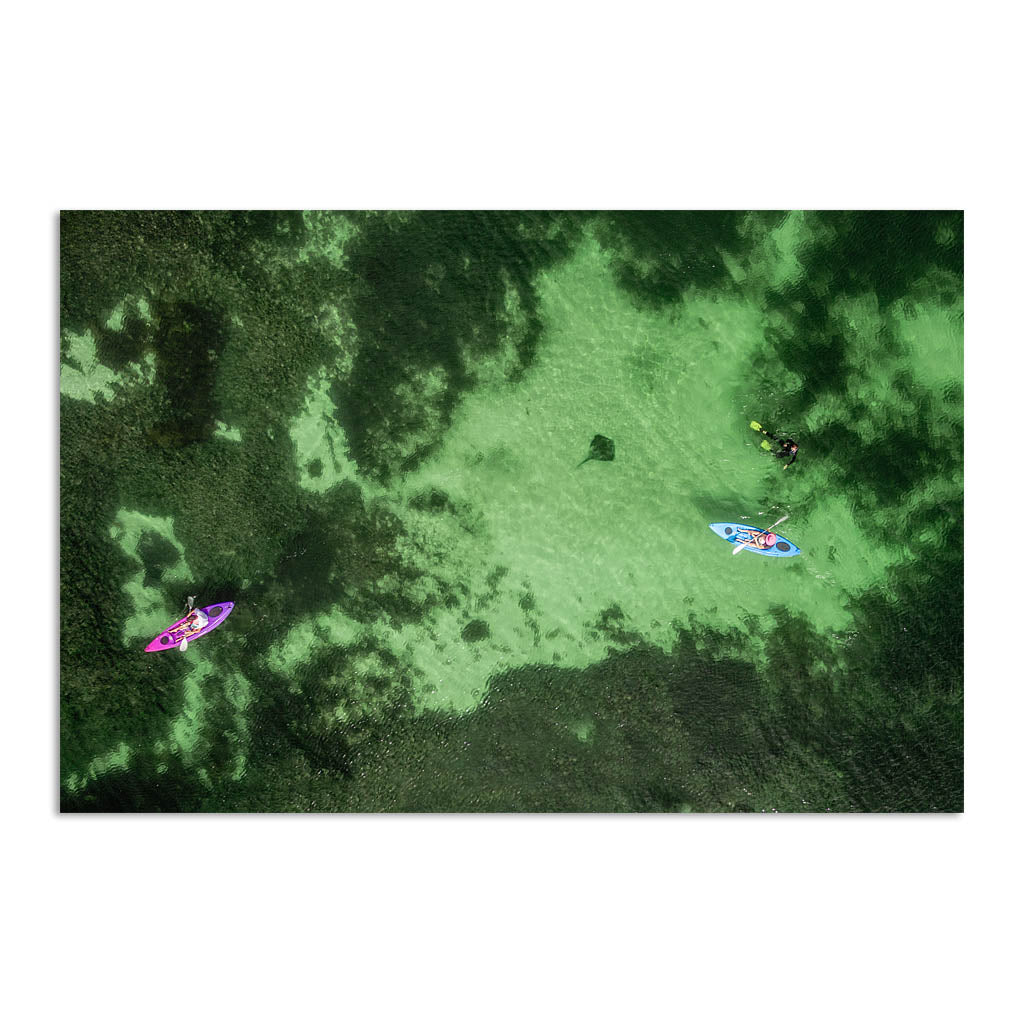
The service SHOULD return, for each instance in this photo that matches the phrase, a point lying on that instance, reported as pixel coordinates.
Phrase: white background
(510, 918)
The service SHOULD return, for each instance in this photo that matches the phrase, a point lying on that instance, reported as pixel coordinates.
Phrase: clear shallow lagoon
(365, 430)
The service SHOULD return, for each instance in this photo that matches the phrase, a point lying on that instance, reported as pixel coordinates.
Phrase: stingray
(601, 448)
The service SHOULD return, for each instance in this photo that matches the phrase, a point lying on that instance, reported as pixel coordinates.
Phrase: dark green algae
(700, 728)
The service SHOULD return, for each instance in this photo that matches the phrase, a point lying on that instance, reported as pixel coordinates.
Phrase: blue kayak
(738, 533)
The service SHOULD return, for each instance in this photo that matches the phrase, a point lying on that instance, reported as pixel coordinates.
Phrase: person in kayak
(788, 447)
(194, 622)
(762, 540)
(197, 618)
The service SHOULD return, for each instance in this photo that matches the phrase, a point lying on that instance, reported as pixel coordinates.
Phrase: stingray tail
(587, 459)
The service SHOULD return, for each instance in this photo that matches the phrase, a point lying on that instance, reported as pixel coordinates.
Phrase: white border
(537, 106)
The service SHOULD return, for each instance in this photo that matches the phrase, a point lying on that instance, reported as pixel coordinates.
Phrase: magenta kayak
(183, 630)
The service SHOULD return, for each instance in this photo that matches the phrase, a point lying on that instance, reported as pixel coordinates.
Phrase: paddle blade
(184, 645)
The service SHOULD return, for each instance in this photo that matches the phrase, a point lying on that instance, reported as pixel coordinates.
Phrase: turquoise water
(365, 429)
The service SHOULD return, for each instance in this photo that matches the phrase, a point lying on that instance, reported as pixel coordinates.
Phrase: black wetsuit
(788, 447)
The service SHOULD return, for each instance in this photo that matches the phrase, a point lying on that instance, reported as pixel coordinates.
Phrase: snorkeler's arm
(791, 461)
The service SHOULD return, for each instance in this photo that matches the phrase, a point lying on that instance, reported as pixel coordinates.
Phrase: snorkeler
(788, 447)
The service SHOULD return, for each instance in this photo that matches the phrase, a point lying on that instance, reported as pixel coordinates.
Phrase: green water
(365, 429)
